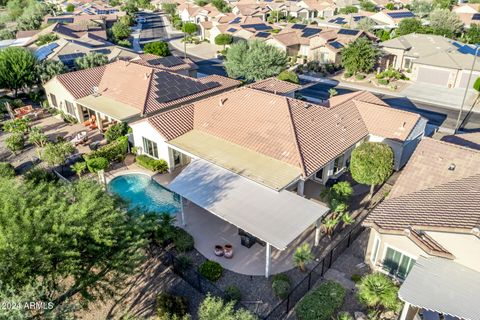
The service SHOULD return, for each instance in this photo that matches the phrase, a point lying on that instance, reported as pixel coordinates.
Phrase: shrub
(38, 175)
(359, 76)
(383, 82)
(289, 76)
(15, 142)
(6, 170)
(183, 240)
(158, 48)
(97, 164)
(348, 74)
(281, 288)
(211, 270)
(171, 305)
(114, 151)
(21, 125)
(281, 277)
(321, 303)
(232, 293)
(344, 315)
(124, 43)
(152, 164)
(184, 263)
(116, 131)
(356, 277)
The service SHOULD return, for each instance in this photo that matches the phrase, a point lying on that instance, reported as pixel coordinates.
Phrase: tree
(48, 69)
(348, 10)
(127, 20)
(121, 30)
(367, 5)
(189, 28)
(289, 76)
(390, 6)
(445, 23)
(158, 48)
(383, 35)
(169, 8)
(303, 255)
(37, 137)
(421, 8)
(32, 16)
(332, 92)
(378, 291)
(55, 231)
(79, 168)
(16, 65)
(90, 60)
(70, 7)
(443, 4)
(15, 142)
(221, 6)
(130, 7)
(366, 24)
(254, 60)
(407, 26)
(223, 39)
(371, 163)
(20, 125)
(359, 56)
(472, 34)
(214, 308)
(46, 38)
(116, 131)
(56, 154)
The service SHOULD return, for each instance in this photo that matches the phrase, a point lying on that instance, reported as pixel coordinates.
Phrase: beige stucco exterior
(61, 96)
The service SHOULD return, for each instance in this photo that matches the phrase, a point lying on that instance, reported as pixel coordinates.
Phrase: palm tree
(347, 219)
(302, 256)
(79, 168)
(329, 224)
(378, 291)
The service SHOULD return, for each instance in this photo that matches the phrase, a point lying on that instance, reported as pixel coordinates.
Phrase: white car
(141, 20)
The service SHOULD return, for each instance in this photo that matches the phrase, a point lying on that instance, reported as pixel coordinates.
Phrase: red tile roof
(275, 85)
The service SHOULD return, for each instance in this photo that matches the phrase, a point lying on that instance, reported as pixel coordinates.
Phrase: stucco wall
(144, 129)
(61, 95)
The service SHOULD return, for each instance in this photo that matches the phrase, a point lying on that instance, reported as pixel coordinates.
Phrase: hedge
(114, 151)
(97, 164)
(322, 303)
(171, 305)
(6, 170)
(149, 163)
(183, 241)
(233, 293)
(211, 270)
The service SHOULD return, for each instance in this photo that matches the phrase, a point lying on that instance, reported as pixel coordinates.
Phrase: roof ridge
(295, 138)
(148, 92)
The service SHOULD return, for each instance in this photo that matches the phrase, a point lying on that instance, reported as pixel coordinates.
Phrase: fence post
(172, 261)
(309, 280)
(349, 238)
(199, 280)
(323, 266)
(331, 258)
(288, 302)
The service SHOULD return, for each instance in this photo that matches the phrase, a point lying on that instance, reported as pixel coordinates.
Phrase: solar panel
(103, 51)
(336, 44)
(232, 30)
(338, 20)
(308, 32)
(257, 26)
(61, 20)
(349, 32)
(298, 26)
(69, 59)
(236, 20)
(44, 51)
(399, 15)
(263, 34)
(467, 49)
(476, 16)
(358, 18)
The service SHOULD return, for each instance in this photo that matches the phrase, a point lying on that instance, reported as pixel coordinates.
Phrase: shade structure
(443, 286)
(275, 217)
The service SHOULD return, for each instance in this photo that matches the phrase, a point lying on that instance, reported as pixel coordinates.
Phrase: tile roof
(169, 63)
(275, 85)
(469, 140)
(145, 88)
(304, 135)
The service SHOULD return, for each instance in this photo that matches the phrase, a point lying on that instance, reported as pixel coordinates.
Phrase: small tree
(289, 76)
(48, 69)
(95, 165)
(46, 38)
(390, 6)
(15, 142)
(57, 153)
(366, 24)
(371, 163)
(408, 25)
(329, 224)
(445, 23)
(221, 6)
(116, 131)
(121, 30)
(189, 28)
(367, 5)
(359, 56)
(70, 7)
(472, 34)
(348, 10)
(169, 8)
(215, 308)
(421, 8)
(332, 92)
(378, 291)
(158, 48)
(79, 168)
(21, 125)
(223, 39)
(16, 65)
(37, 138)
(303, 255)
(90, 60)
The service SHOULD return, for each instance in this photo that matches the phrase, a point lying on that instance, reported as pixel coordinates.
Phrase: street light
(457, 126)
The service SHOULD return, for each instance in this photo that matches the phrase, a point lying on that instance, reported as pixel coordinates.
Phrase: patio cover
(443, 286)
(277, 218)
(112, 108)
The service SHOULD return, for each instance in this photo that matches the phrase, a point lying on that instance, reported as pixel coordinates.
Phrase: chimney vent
(452, 167)
(95, 91)
(222, 101)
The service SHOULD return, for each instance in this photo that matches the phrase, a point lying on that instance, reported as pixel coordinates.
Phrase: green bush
(356, 277)
(359, 76)
(232, 293)
(124, 43)
(184, 263)
(171, 305)
(348, 74)
(281, 288)
(289, 76)
(211, 270)
(38, 175)
(280, 277)
(383, 81)
(97, 164)
(116, 131)
(15, 142)
(183, 240)
(321, 303)
(149, 163)
(114, 151)
(6, 170)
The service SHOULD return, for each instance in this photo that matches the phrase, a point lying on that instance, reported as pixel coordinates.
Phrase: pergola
(275, 217)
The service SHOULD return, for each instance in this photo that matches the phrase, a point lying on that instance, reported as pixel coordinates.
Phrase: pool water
(140, 190)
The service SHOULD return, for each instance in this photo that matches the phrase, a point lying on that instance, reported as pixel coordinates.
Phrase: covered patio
(221, 202)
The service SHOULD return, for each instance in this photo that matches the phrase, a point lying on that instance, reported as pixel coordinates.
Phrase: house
(319, 8)
(427, 231)
(468, 13)
(315, 43)
(291, 9)
(239, 27)
(433, 59)
(197, 14)
(346, 20)
(249, 9)
(391, 18)
(125, 91)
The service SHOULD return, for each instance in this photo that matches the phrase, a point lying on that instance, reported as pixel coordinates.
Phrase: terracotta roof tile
(275, 85)
(80, 83)
(469, 140)
(169, 63)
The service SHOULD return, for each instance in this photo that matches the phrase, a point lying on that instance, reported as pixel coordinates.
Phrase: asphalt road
(153, 29)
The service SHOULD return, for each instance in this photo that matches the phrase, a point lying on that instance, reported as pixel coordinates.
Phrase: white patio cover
(443, 286)
(274, 217)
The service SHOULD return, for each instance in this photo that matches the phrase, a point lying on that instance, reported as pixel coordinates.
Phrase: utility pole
(457, 126)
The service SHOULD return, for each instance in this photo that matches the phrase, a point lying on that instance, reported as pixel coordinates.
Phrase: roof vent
(222, 101)
(407, 231)
(452, 167)
(146, 76)
(95, 91)
(306, 105)
(476, 231)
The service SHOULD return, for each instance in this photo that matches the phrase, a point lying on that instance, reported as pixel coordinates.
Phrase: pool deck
(209, 230)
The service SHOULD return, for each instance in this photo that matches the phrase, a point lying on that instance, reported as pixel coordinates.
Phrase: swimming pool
(142, 191)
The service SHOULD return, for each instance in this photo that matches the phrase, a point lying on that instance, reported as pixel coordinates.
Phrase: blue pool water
(142, 191)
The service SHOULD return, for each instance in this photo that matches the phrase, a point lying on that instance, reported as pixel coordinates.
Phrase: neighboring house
(125, 91)
(183, 66)
(433, 59)
(239, 27)
(253, 10)
(427, 231)
(196, 14)
(468, 13)
(319, 8)
(391, 18)
(290, 8)
(347, 20)
(315, 43)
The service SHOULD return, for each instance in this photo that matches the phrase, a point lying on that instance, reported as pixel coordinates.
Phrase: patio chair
(81, 137)
(90, 121)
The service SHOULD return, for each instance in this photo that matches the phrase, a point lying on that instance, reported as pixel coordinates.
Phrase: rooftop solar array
(358, 18)
(69, 59)
(236, 20)
(298, 26)
(60, 19)
(349, 32)
(308, 32)
(103, 51)
(44, 51)
(468, 49)
(399, 15)
(257, 26)
(171, 87)
(232, 30)
(338, 20)
(263, 34)
(476, 16)
(336, 44)
(168, 62)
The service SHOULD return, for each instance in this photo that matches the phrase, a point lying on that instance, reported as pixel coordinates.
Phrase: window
(408, 63)
(397, 264)
(338, 164)
(376, 245)
(319, 174)
(176, 157)
(150, 147)
(70, 108)
(53, 99)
